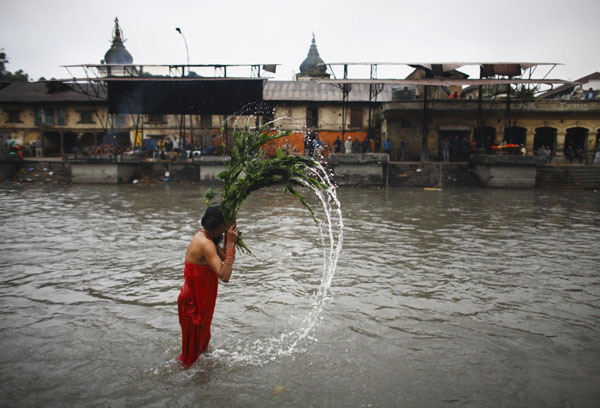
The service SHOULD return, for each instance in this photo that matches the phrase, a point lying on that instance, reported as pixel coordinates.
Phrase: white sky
(40, 36)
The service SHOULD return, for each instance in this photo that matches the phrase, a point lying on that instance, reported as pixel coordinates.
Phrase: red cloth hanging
(196, 304)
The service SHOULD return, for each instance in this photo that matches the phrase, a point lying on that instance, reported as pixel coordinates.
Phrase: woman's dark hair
(213, 218)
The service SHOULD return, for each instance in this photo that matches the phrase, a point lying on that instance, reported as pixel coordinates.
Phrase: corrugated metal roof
(449, 65)
(318, 91)
(32, 92)
(565, 87)
(443, 81)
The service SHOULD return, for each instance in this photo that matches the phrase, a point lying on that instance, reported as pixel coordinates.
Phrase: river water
(479, 298)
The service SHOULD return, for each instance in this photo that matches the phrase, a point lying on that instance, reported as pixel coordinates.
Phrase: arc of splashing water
(263, 350)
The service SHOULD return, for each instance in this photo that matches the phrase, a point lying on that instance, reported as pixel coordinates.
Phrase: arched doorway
(485, 137)
(69, 142)
(576, 137)
(31, 137)
(51, 143)
(515, 135)
(545, 136)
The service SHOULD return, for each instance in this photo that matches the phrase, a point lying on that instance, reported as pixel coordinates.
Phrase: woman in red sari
(205, 263)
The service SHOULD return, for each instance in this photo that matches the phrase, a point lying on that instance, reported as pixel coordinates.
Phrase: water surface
(480, 298)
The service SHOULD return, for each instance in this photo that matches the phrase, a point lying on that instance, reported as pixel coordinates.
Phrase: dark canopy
(184, 96)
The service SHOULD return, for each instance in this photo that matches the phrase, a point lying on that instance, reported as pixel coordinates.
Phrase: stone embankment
(348, 170)
(568, 176)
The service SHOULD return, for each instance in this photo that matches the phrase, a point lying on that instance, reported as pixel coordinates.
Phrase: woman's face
(221, 229)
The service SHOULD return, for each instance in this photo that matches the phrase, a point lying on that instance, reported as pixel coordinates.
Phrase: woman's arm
(221, 250)
(223, 270)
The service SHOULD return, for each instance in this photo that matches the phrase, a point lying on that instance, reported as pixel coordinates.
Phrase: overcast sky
(40, 36)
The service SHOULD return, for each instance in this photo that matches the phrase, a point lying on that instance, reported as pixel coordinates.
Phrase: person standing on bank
(337, 145)
(348, 146)
(205, 263)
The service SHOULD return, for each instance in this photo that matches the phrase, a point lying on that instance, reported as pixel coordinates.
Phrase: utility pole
(182, 122)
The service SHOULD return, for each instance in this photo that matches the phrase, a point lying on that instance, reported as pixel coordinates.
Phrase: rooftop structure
(313, 66)
(117, 54)
(583, 85)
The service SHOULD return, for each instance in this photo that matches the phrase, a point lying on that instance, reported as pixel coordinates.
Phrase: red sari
(196, 304)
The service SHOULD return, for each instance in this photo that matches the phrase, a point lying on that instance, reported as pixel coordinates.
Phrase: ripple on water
(431, 292)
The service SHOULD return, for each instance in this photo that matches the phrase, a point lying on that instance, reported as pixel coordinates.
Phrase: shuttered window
(312, 117)
(13, 115)
(86, 116)
(356, 118)
(60, 117)
(49, 116)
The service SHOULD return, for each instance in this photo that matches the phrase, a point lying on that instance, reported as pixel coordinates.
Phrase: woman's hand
(231, 236)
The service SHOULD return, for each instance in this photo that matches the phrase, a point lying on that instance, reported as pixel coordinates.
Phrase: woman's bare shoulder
(198, 248)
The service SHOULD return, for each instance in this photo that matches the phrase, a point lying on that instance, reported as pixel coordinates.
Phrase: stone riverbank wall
(348, 170)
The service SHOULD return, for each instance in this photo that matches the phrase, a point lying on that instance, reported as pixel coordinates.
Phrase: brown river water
(464, 297)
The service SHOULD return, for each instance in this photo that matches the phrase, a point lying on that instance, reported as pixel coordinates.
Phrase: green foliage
(516, 92)
(5, 75)
(247, 171)
(524, 92)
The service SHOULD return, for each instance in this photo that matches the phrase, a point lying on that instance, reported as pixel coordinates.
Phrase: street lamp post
(182, 125)
(185, 42)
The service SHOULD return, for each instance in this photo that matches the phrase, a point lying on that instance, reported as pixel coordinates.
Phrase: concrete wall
(293, 116)
(210, 167)
(410, 131)
(359, 169)
(506, 177)
(7, 169)
(431, 174)
(505, 171)
(103, 173)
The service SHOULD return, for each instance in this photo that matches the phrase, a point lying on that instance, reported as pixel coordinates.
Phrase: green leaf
(247, 171)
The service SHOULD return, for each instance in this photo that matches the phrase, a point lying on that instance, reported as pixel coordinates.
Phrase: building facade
(72, 117)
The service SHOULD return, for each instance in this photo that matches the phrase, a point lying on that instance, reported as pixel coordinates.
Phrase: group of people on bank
(13, 148)
(544, 152)
(457, 149)
(171, 149)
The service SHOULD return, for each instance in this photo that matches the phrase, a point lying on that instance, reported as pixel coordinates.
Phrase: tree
(18, 76)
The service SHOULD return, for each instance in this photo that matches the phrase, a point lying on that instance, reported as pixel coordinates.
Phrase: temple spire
(117, 54)
(313, 66)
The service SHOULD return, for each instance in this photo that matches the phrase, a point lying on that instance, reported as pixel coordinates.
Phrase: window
(13, 115)
(356, 118)
(312, 117)
(155, 118)
(205, 121)
(60, 118)
(86, 116)
(49, 116)
(120, 120)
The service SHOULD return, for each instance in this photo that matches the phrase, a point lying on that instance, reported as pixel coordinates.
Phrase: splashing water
(332, 234)
(331, 231)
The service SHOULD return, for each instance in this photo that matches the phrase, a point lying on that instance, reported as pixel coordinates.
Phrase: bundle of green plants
(248, 171)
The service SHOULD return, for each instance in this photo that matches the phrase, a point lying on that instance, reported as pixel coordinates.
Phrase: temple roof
(117, 54)
(311, 64)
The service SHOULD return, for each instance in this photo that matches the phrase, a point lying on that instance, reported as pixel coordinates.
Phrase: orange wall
(295, 141)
